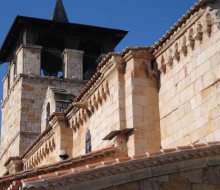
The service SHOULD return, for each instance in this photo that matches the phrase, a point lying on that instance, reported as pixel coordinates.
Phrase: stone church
(78, 116)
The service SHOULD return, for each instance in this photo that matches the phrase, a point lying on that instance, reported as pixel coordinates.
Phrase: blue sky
(146, 20)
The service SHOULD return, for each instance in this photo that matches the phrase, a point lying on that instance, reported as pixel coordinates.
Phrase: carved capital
(14, 165)
(138, 52)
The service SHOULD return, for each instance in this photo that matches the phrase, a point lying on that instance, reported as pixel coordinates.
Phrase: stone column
(29, 59)
(73, 64)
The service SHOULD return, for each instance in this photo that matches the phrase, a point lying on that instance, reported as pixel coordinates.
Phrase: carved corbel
(95, 102)
(106, 88)
(80, 119)
(208, 30)
(41, 154)
(183, 50)
(162, 68)
(74, 127)
(190, 43)
(199, 32)
(77, 122)
(169, 61)
(46, 148)
(84, 116)
(91, 107)
(99, 98)
(53, 143)
(208, 25)
(50, 145)
(103, 93)
(82, 104)
(191, 40)
(176, 55)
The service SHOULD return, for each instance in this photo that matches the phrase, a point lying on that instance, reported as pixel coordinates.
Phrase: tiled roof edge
(59, 165)
(180, 22)
(127, 164)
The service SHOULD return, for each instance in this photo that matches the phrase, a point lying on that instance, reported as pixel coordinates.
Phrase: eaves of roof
(154, 161)
(82, 160)
(180, 22)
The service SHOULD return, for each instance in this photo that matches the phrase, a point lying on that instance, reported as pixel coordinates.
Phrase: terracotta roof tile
(169, 150)
(180, 22)
(140, 156)
(124, 164)
(185, 147)
(58, 167)
(155, 153)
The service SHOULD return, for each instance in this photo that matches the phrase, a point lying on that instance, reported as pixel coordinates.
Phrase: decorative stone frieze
(86, 108)
(40, 151)
(186, 42)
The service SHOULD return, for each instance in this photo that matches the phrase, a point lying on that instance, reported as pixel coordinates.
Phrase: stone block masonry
(22, 110)
(188, 97)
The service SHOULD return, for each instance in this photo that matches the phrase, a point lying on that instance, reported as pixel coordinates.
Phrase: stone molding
(128, 169)
(184, 40)
(14, 165)
(180, 24)
(36, 78)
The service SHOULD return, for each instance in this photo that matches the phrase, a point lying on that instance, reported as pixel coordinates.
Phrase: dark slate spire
(59, 12)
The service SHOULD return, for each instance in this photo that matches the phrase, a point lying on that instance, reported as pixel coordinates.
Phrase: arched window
(88, 142)
(48, 114)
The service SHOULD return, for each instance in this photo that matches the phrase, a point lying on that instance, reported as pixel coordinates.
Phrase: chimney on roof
(59, 14)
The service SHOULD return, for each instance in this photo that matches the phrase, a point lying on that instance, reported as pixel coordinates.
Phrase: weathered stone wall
(106, 114)
(189, 90)
(22, 110)
(33, 97)
(11, 107)
(120, 108)
(11, 150)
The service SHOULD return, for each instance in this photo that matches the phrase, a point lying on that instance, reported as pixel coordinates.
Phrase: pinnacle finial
(59, 12)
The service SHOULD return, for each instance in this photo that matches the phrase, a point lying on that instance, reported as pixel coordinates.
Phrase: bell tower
(45, 54)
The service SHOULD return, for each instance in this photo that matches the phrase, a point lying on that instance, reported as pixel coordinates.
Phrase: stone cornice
(34, 78)
(180, 23)
(154, 164)
(11, 159)
(137, 52)
(67, 164)
(178, 34)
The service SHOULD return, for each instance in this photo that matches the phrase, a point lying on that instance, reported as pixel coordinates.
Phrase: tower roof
(22, 23)
(59, 14)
